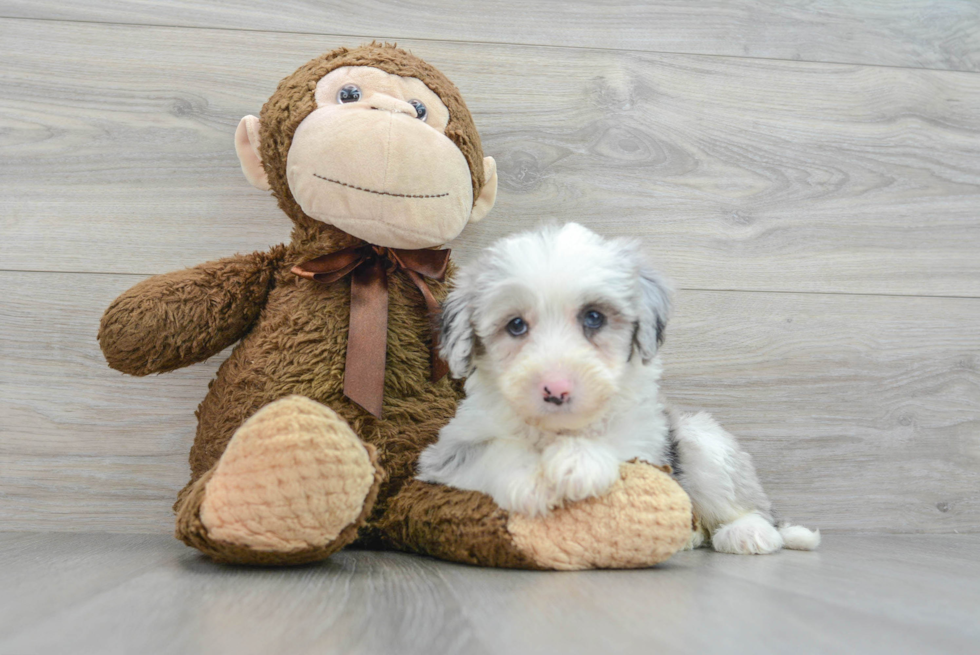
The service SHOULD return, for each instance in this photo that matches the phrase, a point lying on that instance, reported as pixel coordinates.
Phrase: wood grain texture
(764, 189)
(740, 174)
(861, 412)
(913, 33)
(860, 408)
(119, 493)
(863, 594)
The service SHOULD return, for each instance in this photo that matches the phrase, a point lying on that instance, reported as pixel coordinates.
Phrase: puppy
(557, 333)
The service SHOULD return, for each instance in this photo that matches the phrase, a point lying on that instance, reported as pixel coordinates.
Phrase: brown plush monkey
(374, 156)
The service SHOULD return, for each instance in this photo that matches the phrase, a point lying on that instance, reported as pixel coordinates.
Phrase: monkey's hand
(179, 318)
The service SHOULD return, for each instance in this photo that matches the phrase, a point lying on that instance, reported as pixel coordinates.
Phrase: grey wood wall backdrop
(808, 175)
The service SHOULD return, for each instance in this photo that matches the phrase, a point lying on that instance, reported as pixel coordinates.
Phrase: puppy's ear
(654, 308)
(457, 338)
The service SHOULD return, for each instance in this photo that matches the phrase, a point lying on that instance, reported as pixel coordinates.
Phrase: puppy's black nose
(560, 399)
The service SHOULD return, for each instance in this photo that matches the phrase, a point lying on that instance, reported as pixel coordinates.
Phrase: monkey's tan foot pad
(643, 520)
(293, 486)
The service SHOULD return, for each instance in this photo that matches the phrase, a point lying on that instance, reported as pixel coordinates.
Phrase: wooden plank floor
(912, 33)
(106, 594)
(808, 174)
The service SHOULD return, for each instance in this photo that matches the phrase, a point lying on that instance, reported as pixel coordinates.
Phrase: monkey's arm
(179, 318)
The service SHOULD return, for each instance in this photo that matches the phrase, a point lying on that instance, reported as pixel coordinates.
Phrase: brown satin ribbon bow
(364, 370)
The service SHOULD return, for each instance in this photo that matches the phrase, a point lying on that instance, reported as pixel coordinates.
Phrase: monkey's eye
(517, 327)
(349, 93)
(593, 320)
(420, 112)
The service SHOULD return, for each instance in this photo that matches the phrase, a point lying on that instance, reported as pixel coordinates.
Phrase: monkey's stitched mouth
(380, 193)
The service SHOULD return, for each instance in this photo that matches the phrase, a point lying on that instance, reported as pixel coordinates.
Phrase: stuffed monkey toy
(308, 436)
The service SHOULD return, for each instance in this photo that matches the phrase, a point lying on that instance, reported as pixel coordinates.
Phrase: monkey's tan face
(373, 159)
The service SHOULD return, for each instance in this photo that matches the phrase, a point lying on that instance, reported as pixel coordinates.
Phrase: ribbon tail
(364, 375)
(438, 365)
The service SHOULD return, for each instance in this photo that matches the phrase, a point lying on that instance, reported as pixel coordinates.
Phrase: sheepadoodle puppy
(557, 332)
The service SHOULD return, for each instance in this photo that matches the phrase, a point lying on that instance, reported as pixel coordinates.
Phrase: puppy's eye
(348, 93)
(517, 327)
(593, 320)
(420, 111)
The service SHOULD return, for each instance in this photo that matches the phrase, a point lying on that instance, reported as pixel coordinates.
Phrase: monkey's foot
(642, 520)
(294, 485)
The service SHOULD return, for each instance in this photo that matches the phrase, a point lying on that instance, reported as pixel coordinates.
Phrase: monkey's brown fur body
(292, 335)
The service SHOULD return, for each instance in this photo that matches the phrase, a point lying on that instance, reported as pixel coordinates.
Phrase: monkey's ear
(488, 195)
(247, 147)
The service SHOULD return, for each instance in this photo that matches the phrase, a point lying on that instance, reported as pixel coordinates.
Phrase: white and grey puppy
(557, 331)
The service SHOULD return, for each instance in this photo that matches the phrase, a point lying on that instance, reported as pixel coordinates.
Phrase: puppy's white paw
(579, 469)
(748, 535)
(533, 496)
